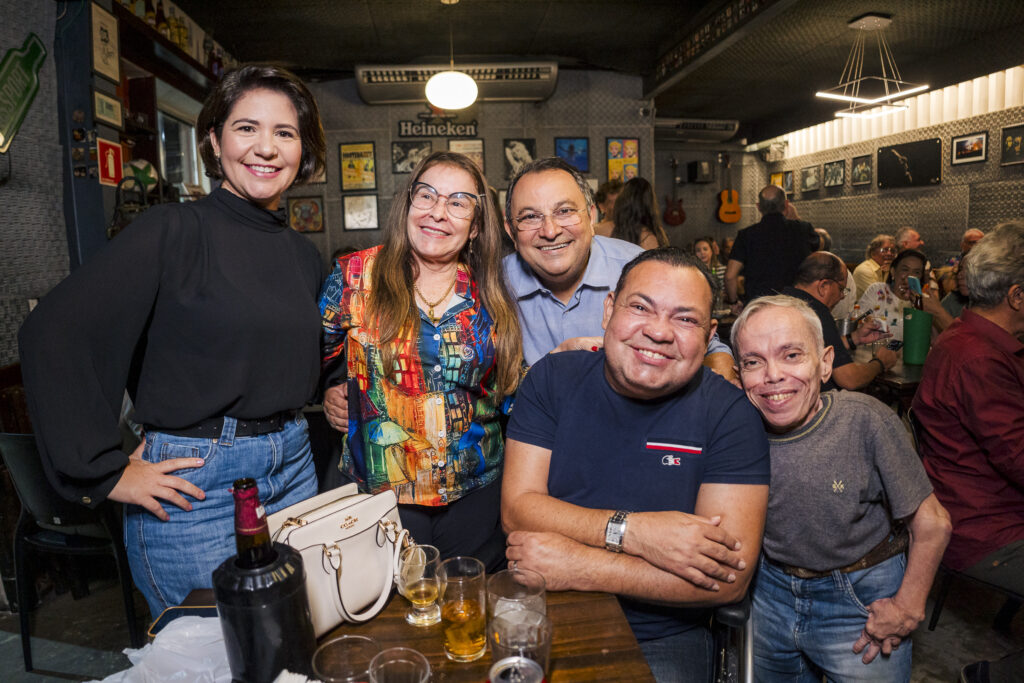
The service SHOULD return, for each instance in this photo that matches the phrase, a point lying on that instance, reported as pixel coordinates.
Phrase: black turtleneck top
(200, 310)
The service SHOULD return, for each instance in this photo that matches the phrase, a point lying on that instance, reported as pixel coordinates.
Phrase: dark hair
(547, 164)
(234, 85)
(613, 186)
(672, 256)
(711, 245)
(771, 199)
(635, 210)
(903, 256)
(821, 265)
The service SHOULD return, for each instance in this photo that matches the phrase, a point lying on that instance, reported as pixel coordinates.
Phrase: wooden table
(896, 385)
(591, 640)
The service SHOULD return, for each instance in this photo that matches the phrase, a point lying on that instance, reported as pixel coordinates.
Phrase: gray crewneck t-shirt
(838, 481)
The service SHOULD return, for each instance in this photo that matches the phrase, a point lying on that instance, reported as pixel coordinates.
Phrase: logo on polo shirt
(676, 451)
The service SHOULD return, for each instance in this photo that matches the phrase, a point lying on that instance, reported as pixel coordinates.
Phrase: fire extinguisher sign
(108, 155)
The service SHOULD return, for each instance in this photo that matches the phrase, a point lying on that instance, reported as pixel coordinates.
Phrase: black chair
(733, 632)
(52, 524)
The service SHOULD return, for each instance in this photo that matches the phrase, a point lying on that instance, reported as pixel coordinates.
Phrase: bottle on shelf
(161, 21)
(150, 13)
(261, 598)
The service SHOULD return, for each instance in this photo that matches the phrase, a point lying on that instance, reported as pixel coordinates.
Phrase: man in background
(875, 266)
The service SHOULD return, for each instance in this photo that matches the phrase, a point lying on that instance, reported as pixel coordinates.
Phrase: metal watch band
(615, 530)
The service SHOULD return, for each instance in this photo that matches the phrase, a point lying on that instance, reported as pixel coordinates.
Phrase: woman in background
(422, 345)
(703, 249)
(636, 216)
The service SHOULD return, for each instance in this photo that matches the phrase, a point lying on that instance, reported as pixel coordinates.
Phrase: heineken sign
(19, 83)
(443, 129)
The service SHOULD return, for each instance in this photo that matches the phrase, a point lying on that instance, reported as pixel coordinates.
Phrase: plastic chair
(52, 524)
(733, 633)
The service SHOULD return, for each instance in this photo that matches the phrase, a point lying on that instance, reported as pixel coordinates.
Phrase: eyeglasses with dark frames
(457, 204)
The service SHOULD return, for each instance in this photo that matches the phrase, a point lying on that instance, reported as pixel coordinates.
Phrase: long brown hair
(636, 209)
(391, 304)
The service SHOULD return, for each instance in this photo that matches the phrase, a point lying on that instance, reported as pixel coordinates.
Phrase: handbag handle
(385, 591)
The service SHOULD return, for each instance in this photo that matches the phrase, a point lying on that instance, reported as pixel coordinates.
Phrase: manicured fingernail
(593, 348)
(731, 578)
(743, 564)
(200, 463)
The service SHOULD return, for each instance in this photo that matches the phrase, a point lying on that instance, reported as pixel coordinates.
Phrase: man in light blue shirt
(561, 272)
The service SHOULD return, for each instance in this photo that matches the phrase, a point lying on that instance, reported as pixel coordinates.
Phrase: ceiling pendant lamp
(870, 96)
(451, 89)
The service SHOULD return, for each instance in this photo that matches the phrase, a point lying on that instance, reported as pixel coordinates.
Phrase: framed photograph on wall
(912, 164)
(810, 178)
(306, 214)
(518, 153)
(360, 211)
(787, 182)
(471, 147)
(861, 170)
(107, 109)
(835, 173)
(777, 179)
(405, 154)
(968, 149)
(1012, 144)
(623, 155)
(106, 58)
(358, 166)
(575, 152)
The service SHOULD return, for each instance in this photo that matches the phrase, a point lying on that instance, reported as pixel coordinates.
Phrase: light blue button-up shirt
(547, 322)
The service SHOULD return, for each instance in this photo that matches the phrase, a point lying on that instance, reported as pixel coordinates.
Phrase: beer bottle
(161, 21)
(150, 13)
(252, 535)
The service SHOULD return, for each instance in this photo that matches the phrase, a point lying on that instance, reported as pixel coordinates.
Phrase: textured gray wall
(978, 195)
(33, 242)
(590, 104)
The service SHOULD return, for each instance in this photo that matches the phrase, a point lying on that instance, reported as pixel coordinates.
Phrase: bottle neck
(252, 535)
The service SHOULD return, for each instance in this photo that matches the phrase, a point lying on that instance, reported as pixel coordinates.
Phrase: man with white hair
(854, 534)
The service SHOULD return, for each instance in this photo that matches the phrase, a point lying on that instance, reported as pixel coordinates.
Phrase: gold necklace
(431, 304)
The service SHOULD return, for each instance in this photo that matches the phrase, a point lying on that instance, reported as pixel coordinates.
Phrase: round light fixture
(451, 90)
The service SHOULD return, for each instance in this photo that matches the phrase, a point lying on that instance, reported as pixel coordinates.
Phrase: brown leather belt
(212, 427)
(892, 545)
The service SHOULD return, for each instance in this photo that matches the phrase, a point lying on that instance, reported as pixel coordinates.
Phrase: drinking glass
(345, 659)
(521, 633)
(419, 581)
(512, 589)
(463, 609)
(399, 665)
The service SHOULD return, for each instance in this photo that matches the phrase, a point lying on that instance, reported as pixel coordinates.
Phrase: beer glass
(521, 633)
(419, 582)
(463, 609)
(399, 665)
(513, 589)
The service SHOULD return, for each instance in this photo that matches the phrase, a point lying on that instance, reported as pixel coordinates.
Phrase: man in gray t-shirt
(839, 582)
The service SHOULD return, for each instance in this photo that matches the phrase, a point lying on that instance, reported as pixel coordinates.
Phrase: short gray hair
(778, 301)
(877, 243)
(548, 164)
(902, 234)
(995, 264)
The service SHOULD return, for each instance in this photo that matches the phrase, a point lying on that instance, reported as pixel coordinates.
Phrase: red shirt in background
(970, 407)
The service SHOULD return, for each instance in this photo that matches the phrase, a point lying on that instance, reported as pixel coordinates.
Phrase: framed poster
(623, 155)
(810, 178)
(518, 153)
(860, 170)
(969, 149)
(107, 109)
(1012, 143)
(358, 166)
(835, 173)
(575, 152)
(360, 211)
(777, 180)
(912, 164)
(787, 182)
(405, 154)
(306, 214)
(106, 57)
(471, 147)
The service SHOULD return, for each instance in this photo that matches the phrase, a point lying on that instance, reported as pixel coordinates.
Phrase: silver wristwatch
(615, 531)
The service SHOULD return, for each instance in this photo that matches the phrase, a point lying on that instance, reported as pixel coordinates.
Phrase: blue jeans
(806, 627)
(681, 658)
(170, 559)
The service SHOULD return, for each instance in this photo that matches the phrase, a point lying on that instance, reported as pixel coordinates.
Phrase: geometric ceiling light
(870, 96)
(451, 89)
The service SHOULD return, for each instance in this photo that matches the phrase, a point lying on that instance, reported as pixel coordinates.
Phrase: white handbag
(349, 542)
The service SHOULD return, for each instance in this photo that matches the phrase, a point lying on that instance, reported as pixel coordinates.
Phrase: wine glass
(419, 581)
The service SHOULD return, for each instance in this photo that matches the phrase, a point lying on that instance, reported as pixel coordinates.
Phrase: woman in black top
(207, 313)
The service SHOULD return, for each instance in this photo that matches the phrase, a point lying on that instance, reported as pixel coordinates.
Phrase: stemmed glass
(419, 581)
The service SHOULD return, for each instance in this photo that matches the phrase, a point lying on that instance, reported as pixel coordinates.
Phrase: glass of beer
(514, 589)
(419, 581)
(463, 609)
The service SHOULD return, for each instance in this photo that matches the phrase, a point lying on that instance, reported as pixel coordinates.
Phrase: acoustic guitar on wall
(729, 200)
(674, 214)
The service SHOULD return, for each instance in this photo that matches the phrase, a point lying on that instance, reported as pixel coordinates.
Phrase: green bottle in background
(19, 83)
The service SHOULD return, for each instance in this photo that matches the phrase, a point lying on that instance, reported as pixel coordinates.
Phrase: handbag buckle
(333, 553)
(390, 529)
(290, 522)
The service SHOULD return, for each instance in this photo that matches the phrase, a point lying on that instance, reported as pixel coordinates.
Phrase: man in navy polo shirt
(637, 471)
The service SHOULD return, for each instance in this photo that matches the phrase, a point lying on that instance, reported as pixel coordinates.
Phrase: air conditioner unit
(695, 130)
(502, 82)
